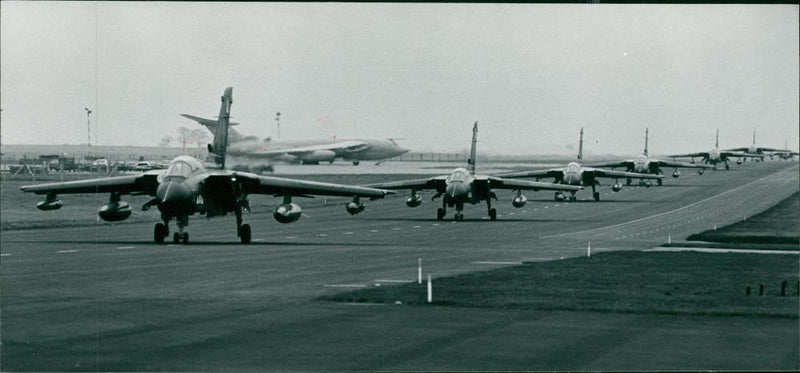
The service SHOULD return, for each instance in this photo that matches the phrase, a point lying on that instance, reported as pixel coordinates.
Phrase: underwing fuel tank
(413, 200)
(616, 187)
(287, 213)
(354, 208)
(114, 211)
(519, 201)
(49, 205)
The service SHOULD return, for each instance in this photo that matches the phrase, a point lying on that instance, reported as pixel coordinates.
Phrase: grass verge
(624, 282)
(777, 225)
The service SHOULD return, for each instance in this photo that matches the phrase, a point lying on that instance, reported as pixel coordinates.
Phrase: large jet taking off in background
(186, 187)
(575, 174)
(716, 156)
(463, 186)
(307, 151)
(771, 152)
(643, 164)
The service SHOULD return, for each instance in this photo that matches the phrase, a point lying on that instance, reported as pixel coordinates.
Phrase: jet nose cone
(457, 191)
(173, 193)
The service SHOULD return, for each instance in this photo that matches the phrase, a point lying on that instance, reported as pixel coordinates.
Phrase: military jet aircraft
(186, 187)
(307, 151)
(643, 164)
(771, 152)
(575, 174)
(716, 156)
(463, 186)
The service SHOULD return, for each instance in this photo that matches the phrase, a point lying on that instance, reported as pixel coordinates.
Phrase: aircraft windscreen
(179, 169)
(458, 175)
(573, 167)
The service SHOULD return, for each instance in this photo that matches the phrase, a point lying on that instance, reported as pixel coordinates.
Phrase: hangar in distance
(186, 188)
(307, 151)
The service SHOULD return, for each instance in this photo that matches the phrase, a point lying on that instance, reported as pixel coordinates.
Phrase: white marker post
(589, 250)
(669, 239)
(419, 271)
(430, 289)
(715, 227)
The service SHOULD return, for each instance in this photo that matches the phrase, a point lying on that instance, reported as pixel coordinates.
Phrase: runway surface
(106, 298)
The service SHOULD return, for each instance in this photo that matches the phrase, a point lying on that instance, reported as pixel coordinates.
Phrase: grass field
(629, 282)
(778, 225)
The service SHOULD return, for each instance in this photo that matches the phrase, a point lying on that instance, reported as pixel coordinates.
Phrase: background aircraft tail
(219, 146)
(646, 135)
(211, 124)
(716, 143)
(580, 146)
(471, 160)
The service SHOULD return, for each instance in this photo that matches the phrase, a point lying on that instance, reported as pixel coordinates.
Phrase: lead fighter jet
(186, 187)
(462, 186)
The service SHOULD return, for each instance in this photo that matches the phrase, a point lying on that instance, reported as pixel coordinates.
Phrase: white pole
(419, 271)
(589, 249)
(715, 227)
(669, 239)
(430, 289)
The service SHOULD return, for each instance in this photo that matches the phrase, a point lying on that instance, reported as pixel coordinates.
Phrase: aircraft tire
(185, 238)
(660, 182)
(628, 182)
(596, 196)
(440, 214)
(176, 238)
(492, 214)
(727, 167)
(245, 234)
(159, 232)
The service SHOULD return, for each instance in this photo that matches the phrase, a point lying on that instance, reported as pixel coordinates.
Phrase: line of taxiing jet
(188, 187)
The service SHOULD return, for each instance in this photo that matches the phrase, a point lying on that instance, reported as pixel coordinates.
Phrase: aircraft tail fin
(580, 146)
(472, 156)
(211, 124)
(219, 146)
(646, 135)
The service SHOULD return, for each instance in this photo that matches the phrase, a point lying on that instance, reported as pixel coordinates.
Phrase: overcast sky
(532, 75)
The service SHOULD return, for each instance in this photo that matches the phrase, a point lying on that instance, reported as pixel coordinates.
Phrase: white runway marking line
(395, 229)
(66, 251)
(125, 247)
(291, 237)
(258, 239)
(322, 235)
(393, 281)
(663, 213)
(499, 263)
(5, 254)
(347, 233)
(416, 226)
(344, 285)
(374, 230)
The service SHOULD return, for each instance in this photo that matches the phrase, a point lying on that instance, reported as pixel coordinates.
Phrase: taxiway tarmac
(106, 298)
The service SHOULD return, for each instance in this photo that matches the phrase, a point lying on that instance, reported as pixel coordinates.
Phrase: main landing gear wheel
(573, 198)
(492, 214)
(245, 234)
(185, 238)
(159, 232)
(628, 182)
(596, 196)
(459, 216)
(176, 238)
(440, 214)
(727, 167)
